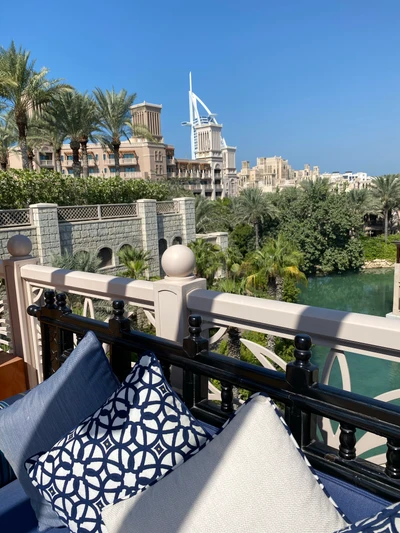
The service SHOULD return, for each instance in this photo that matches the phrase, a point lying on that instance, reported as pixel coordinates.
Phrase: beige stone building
(272, 172)
(211, 174)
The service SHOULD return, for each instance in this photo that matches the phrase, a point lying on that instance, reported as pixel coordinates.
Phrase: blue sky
(315, 81)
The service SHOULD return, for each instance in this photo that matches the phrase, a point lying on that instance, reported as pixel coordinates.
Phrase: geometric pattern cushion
(141, 433)
(249, 478)
(37, 421)
(386, 521)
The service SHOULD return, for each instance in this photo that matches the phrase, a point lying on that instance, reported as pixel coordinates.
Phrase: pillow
(37, 421)
(386, 521)
(140, 434)
(250, 477)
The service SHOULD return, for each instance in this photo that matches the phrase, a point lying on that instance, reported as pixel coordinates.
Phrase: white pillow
(250, 478)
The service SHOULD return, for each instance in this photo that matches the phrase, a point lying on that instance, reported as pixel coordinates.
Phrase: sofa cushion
(355, 502)
(249, 477)
(16, 513)
(140, 434)
(36, 422)
(385, 521)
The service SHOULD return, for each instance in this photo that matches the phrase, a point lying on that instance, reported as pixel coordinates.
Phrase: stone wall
(148, 231)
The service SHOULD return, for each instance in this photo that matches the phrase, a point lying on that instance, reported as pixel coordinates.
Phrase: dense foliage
(19, 188)
(377, 248)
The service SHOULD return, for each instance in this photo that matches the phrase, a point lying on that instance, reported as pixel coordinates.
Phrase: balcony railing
(14, 217)
(125, 161)
(167, 303)
(95, 212)
(46, 163)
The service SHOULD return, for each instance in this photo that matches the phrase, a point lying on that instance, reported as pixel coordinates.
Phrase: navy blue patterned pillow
(386, 521)
(6, 472)
(141, 433)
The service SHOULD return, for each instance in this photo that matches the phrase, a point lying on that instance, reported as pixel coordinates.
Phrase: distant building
(272, 172)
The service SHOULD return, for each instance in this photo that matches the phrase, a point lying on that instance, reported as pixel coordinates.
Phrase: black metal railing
(304, 399)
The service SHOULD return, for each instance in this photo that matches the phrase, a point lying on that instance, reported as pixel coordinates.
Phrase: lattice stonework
(165, 207)
(118, 210)
(78, 212)
(15, 217)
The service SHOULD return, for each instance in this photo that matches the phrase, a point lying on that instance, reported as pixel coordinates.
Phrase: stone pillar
(170, 298)
(147, 211)
(221, 238)
(44, 218)
(19, 297)
(188, 218)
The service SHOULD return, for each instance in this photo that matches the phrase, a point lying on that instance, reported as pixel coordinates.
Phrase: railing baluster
(347, 438)
(195, 387)
(226, 397)
(393, 458)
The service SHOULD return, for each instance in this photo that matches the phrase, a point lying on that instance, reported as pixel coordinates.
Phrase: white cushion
(250, 478)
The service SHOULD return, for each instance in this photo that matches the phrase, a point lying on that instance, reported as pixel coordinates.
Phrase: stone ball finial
(178, 261)
(19, 246)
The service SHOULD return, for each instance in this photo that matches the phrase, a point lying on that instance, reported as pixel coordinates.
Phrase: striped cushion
(6, 472)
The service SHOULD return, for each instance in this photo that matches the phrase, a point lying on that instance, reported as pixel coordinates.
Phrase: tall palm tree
(386, 190)
(253, 207)
(277, 258)
(209, 259)
(8, 138)
(363, 203)
(115, 120)
(48, 129)
(79, 120)
(135, 260)
(25, 90)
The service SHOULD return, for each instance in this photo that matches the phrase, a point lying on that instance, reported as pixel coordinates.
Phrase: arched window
(162, 246)
(177, 240)
(105, 254)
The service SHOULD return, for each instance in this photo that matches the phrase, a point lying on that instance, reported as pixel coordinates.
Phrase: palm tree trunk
(85, 164)
(57, 157)
(21, 125)
(386, 224)
(3, 164)
(257, 240)
(76, 164)
(116, 158)
(279, 288)
(30, 158)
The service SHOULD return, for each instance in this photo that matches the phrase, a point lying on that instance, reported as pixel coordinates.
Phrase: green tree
(8, 137)
(253, 206)
(135, 260)
(115, 120)
(386, 190)
(277, 259)
(25, 90)
(78, 118)
(209, 259)
(204, 209)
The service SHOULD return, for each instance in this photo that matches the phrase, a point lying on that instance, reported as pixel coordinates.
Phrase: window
(130, 169)
(90, 157)
(70, 171)
(97, 157)
(105, 170)
(105, 254)
(104, 157)
(177, 240)
(112, 170)
(128, 156)
(62, 158)
(111, 156)
(48, 156)
(70, 158)
(93, 170)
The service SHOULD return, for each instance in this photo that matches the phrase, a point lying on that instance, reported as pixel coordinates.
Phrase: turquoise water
(369, 292)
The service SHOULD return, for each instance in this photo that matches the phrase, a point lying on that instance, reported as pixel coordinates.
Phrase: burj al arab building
(210, 150)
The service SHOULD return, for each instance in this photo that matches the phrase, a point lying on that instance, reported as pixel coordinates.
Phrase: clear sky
(314, 81)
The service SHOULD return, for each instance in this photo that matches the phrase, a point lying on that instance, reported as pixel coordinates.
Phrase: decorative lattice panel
(78, 212)
(118, 210)
(165, 207)
(15, 217)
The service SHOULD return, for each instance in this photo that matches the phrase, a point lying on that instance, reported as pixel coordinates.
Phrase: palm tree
(253, 207)
(135, 260)
(277, 259)
(48, 129)
(8, 137)
(203, 212)
(386, 190)
(209, 259)
(25, 90)
(319, 188)
(363, 203)
(115, 119)
(81, 261)
(78, 118)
